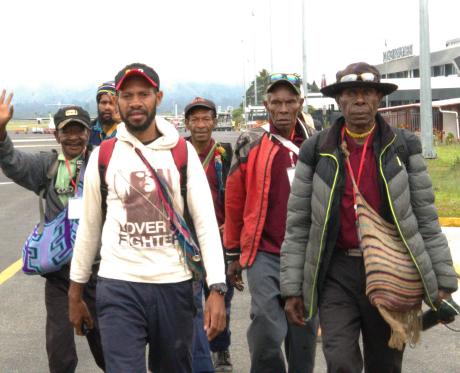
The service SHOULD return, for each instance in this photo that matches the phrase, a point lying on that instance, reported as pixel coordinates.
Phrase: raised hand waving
(6, 110)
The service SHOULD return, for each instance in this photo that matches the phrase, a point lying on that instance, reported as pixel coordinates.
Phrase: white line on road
(37, 146)
(6, 183)
(34, 140)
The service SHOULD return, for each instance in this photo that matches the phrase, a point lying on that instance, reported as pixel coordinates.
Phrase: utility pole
(244, 80)
(254, 56)
(426, 111)
(386, 73)
(304, 54)
(270, 34)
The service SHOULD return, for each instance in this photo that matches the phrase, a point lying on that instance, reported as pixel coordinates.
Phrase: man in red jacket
(257, 192)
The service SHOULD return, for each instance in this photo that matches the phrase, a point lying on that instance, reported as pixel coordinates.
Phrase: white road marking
(6, 183)
(34, 140)
(37, 146)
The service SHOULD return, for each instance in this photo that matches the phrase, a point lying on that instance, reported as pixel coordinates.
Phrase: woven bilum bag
(393, 283)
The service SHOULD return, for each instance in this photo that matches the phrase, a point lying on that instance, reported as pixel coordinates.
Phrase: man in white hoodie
(144, 291)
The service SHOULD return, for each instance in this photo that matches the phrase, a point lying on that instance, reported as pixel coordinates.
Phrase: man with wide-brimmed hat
(363, 243)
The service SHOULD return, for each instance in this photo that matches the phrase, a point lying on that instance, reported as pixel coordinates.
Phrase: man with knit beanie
(105, 125)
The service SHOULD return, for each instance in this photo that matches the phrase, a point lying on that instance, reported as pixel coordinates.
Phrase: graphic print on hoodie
(147, 223)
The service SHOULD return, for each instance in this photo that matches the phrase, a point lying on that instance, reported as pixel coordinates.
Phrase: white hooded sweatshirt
(137, 244)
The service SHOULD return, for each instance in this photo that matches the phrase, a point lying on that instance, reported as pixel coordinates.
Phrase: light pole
(254, 58)
(426, 115)
(244, 81)
(270, 33)
(304, 54)
(385, 61)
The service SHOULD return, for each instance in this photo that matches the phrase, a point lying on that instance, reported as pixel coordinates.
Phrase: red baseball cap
(137, 69)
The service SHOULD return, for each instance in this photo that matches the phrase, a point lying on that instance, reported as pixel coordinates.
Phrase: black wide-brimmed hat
(359, 74)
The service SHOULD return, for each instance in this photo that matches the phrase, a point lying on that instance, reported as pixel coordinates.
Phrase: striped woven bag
(393, 283)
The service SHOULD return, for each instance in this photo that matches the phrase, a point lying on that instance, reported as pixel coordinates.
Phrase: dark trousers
(132, 315)
(269, 326)
(344, 312)
(201, 355)
(60, 342)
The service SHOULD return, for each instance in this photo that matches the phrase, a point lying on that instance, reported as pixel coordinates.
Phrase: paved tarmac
(22, 311)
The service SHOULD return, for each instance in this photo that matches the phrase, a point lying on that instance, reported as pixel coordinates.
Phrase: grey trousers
(269, 326)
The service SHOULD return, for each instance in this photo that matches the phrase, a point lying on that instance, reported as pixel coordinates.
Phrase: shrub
(450, 138)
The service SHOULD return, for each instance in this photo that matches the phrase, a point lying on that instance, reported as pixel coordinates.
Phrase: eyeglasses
(365, 77)
(292, 78)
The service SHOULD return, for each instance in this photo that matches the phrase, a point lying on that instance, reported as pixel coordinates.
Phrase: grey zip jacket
(29, 170)
(314, 208)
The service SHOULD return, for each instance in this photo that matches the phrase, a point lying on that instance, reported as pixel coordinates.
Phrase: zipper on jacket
(390, 202)
(321, 246)
(260, 210)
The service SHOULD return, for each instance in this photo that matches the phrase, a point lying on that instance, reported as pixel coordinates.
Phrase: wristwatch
(220, 288)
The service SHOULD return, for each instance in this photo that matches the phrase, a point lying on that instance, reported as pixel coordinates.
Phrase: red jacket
(247, 189)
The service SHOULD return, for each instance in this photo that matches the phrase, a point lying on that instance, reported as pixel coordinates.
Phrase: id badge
(75, 208)
(290, 173)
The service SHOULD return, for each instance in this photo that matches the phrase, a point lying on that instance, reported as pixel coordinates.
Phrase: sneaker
(222, 362)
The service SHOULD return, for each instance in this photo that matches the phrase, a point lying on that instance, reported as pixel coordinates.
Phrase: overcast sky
(79, 43)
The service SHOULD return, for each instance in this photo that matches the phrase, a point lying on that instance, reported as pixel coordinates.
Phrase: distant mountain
(39, 102)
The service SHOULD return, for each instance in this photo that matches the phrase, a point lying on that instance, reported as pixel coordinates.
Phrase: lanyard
(285, 142)
(207, 160)
(360, 169)
(291, 156)
(72, 181)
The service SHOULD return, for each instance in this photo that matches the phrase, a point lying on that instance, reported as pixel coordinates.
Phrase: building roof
(438, 82)
(442, 57)
(435, 104)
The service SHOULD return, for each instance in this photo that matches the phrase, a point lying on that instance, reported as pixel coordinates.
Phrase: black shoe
(222, 362)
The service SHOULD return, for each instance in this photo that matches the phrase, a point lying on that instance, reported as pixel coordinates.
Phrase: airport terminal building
(402, 108)
(401, 67)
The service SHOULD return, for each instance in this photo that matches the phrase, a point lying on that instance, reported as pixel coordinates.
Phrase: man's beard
(139, 127)
(106, 122)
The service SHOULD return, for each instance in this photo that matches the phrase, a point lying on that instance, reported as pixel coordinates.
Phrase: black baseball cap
(200, 102)
(137, 69)
(73, 113)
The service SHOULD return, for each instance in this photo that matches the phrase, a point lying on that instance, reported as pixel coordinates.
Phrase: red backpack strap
(105, 153)
(180, 156)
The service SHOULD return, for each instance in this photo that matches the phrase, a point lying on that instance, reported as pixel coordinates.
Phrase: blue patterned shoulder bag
(50, 245)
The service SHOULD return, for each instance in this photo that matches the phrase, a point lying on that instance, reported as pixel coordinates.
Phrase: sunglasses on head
(365, 77)
(292, 78)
